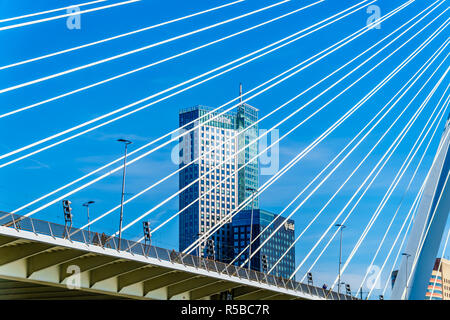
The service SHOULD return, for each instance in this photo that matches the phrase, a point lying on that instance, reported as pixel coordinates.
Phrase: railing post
(51, 231)
(32, 226)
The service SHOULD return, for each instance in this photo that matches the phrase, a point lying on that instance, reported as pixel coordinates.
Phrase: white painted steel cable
(177, 92)
(386, 197)
(18, 25)
(380, 245)
(49, 11)
(345, 207)
(296, 159)
(15, 64)
(296, 209)
(101, 177)
(218, 165)
(151, 65)
(159, 62)
(421, 13)
(331, 198)
(127, 53)
(121, 158)
(340, 188)
(419, 195)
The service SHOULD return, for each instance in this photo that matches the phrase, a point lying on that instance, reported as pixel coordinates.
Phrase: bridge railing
(138, 248)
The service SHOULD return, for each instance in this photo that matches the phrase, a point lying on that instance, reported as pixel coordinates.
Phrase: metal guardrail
(137, 248)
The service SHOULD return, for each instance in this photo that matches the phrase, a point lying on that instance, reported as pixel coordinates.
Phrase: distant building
(273, 249)
(393, 277)
(439, 285)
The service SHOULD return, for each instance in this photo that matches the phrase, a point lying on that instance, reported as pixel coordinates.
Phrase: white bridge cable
(380, 245)
(388, 193)
(49, 11)
(296, 209)
(411, 220)
(345, 207)
(416, 204)
(128, 163)
(228, 139)
(311, 146)
(439, 266)
(360, 163)
(209, 191)
(419, 195)
(154, 64)
(342, 151)
(146, 145)
(404, 195)
(127, 53)
(412, 208)
(13, 26)
(342, 185)
(15, 64)
(180, 91)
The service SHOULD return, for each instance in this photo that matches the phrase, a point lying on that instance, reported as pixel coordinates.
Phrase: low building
(439, 285)
(273, 249)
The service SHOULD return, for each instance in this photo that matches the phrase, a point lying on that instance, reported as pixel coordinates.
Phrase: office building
(439, 285)
(273, 249)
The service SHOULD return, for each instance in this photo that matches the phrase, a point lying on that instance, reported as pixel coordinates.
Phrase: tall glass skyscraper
(215, 196)
(218, 140)
(248, 176)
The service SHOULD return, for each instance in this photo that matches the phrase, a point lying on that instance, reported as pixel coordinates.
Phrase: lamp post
(126, 143)
(86, 204)
(341, 227)
(407, 255)
(251, 228)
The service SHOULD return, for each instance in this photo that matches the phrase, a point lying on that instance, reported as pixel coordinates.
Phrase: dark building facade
(273, 249)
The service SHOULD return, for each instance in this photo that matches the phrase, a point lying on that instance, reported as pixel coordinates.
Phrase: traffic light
(348, 291)
(310, 278)
(264, 263)
(147, 234)
(67, 211)
(210, 249)
(67, 216)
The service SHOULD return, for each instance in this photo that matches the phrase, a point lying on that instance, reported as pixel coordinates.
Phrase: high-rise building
(248, 176)
(232, 177)
(439, 285)
(273, 249)
(218, 187)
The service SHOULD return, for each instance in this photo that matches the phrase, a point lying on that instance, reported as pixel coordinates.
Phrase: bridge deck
(49, 256)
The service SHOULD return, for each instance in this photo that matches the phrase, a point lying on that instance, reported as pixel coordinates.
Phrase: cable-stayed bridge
(390, 95)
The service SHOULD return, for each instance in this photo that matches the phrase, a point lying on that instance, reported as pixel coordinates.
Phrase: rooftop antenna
(240, 93)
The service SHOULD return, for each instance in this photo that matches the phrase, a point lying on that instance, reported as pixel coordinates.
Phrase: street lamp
(251, 228)
(341, 227)
(126, 143)
(86, 204)
(407, 255)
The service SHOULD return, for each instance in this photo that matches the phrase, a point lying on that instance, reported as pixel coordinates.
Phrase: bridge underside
(31, 269)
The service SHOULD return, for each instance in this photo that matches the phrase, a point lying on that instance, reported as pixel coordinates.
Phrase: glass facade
(214, 196)
(248, 176)
(218, 193)
(273, 249)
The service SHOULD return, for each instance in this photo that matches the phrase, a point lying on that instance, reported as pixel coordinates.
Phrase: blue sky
(30, 178)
